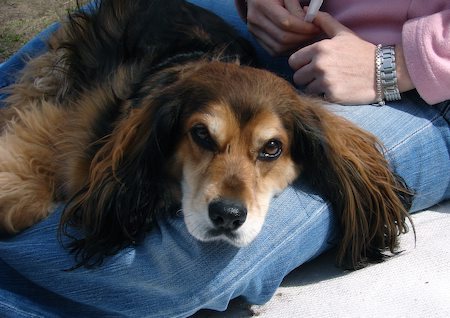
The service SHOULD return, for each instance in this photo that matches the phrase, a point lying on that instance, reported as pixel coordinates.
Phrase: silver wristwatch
(388, 73)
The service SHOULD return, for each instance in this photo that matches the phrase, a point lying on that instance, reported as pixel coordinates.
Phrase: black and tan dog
(141, 105)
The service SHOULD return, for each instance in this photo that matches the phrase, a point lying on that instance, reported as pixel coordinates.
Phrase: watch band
(388, 73)
(378, 87)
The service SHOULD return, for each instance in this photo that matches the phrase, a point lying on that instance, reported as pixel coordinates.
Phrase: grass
(23, 19)
(17, 32)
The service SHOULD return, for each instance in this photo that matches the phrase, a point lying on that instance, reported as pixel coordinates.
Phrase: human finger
(280, 42)
(281, 36)
(328, 24)
(316, 87)
(302, 57)
(304, 76)
(286, 21)
(266, 41)
(270, 44)
(294, 7)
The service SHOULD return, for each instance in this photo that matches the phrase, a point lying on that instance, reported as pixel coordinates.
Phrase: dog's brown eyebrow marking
(243, 112)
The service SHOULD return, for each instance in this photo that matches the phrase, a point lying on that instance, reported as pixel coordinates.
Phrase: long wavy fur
(346, 165)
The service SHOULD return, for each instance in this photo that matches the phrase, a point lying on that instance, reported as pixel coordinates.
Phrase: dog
(141, 106)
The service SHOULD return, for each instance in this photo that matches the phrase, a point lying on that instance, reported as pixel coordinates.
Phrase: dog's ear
(346, 165)
(128, 182)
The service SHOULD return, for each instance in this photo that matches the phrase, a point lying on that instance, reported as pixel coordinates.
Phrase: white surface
(415, 283)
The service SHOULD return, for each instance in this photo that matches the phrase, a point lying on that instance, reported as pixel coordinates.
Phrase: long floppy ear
(128, 183)
(346, 165)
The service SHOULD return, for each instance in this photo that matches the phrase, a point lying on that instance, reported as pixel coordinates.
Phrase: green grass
(21, 21)
(15, 33)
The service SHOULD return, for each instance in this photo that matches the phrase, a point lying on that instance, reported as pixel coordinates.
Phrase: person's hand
(341, 68)
(278, 25)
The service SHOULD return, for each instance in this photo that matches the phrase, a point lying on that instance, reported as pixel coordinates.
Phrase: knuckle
(318, 68)
(326, 14)
(328, 84)
(285, 22)
(282, 38)
(321, 71)
(332, 93)
(322, 46)
(276, 50)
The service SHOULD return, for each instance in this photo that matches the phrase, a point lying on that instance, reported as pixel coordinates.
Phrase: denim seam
(445, 111)
(430, 123)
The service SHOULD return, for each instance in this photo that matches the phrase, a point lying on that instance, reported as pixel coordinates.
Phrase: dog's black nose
(227, 214)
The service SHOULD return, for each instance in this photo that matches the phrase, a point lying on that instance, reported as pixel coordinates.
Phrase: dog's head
(234, 151)
(232, 137)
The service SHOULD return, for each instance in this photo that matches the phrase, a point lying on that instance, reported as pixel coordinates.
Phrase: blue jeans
(173, 275)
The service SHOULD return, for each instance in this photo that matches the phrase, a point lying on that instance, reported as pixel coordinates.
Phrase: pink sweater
(421, 26)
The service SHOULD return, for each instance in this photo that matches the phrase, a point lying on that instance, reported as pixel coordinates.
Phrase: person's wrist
(404, 80)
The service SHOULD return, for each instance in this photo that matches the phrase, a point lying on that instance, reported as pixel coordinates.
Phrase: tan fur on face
(234, 171)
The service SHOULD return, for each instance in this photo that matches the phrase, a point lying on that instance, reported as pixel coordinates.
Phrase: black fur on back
(105, 34)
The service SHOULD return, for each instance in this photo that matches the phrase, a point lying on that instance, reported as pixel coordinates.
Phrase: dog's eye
(271, 150)
(200, 134)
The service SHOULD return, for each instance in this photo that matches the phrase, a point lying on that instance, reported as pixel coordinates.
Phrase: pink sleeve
(426, 45)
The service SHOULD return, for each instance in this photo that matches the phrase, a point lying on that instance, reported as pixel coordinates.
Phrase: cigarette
(313, 9)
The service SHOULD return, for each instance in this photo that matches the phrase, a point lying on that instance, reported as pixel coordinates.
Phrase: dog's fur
(141, 105)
